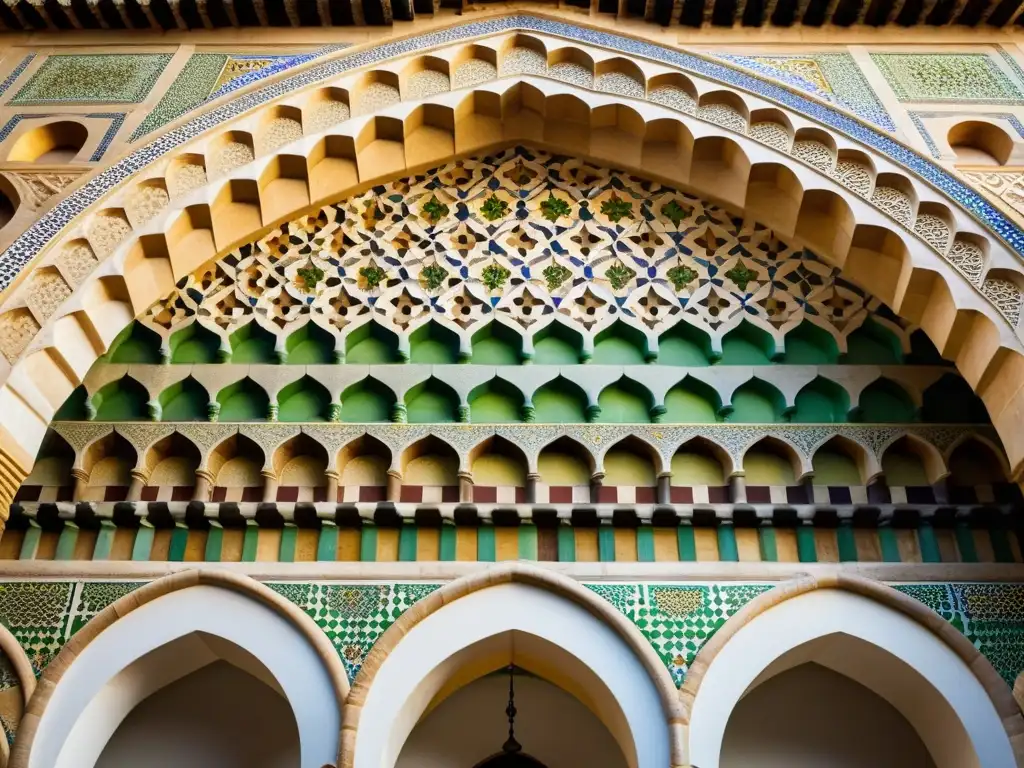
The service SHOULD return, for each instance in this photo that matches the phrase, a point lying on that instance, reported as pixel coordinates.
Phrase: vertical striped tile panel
(748, 545)
(785, 545)
(666, 545)
(231, 544)
(586, 545)
(268, 545)
(339, 544)
(465, 543)
(387, 545)
(506, 543)
(826, 545)
(625, 545)
(705, 542)
(306, 542)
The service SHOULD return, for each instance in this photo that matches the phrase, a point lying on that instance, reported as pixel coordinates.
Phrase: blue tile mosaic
(16, 73)
(26, 247)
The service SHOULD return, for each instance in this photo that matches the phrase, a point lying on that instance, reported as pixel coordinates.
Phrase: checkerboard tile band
(430, 494)
(699, 494)
(45, 493)
(350, 494)
(168, 493)
(499, 494)
(777, 494)
(997, 493)
(294, 493)
(627, 494)
(563, 494)
(839, 494)
(252, 494)
(910, 494)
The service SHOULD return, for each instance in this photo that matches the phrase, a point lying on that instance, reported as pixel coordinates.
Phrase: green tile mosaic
(93, 79)
(190, 89)
(949, 77)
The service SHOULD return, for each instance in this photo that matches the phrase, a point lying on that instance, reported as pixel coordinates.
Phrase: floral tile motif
(972, 77)
(353, 616)
(93, 79)
(834, 77)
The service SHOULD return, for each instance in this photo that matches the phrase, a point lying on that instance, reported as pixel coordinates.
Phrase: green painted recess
(834, 467)
(692, 402)
(557, 345)
(871, 344)
(821, 402)
(807, 344)
(497, 344)
(884, 401)
(186, 400)
(433, 344)
(243, 401)
(372, 344)
(194, 345)
(252, 344)
(367, 400)
(747, 345)
(497, 402)
(950, 400)
(310, 345)
(304, 400)
(684, 345)
(121, 400)
(431, 401)
(620, 344)
(135, 344)
(625, 402)
(756, 402)
(560, 402)
(75, 408)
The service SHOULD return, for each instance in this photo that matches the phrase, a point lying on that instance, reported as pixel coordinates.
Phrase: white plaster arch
(105, 681)
(430, 654)
(929, 683)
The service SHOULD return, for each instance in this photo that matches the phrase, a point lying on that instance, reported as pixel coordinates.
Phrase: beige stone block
(666, 545)
(785, 545)
(161, 544)
(268, 545)
(349, 542)
(748, 544)
(231, 545)
(869, 548)
(506, 543)
(387, 545)
(826, 546)
(195, 546)
(428, 544)
(625, 545)
(123, 543)
(908, 545)
(85, 543)
(586, 545)
(306, 540)
(948, 550)
(983, 545)
(705, 541)
(465, 543)
(47, 545)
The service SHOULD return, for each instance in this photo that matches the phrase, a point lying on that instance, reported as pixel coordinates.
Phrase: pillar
(596, 481)
(269, 486)
(139, 479)
(738, 489)
(466, 487)
(532, 479)
(204, 484)
(665, 488)
(394, 492)
(81, 483)
(333, 480)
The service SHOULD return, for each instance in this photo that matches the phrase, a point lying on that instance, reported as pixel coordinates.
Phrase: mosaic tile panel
(28, 245)
(38, 614)
(189, 90)
(959, 77)
(16, 73)
(353, 616)
(93, 79)
(834, 77)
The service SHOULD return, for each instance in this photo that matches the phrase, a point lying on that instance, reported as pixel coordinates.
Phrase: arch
(433, 344)
(363, 466)
(524, 600)
(872, 344)
(821, 401)
(684, 344)
(185, 400)
(700, 463)
(109, 462)
(620, 344)
(367, 400)
(171, 463)
(950, 400)
(840, 461)
(911, 461)
(975, 142)
(625, 401)
(758, 402)
(227, 605)
(948, 691)
(310, 345)
(771, 461)
(236, 466)
(304, 400)
(810, 344)
(496, 401)
(253, 344)
(499, 468)
(135, 344)
(122, 400)
(75, 407)
(430, 463)
(972, 463)
(560, 401)
(557, 344)
(566, 468)
(432, 401)
(55, 142)
(243, 401)
(497, 344)
(371, 344)
(746, 344)
(692, 401)
(631, 470)
(300, 465)
(885, 401)
(195, 345)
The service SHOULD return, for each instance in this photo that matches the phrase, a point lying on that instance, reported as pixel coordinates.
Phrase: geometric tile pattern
(189, 90)
(526, 235)
(950, 77)
(93, 79)
(677, 619)
(834, 77)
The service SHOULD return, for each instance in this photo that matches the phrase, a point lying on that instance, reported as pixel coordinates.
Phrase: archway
(166, 631)
(541, 622)
(937, 681)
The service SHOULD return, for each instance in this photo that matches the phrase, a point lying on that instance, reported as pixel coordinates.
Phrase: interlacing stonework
(677, 619)
(525, 236)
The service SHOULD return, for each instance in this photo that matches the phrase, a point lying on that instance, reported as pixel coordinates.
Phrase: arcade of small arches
(888, 683)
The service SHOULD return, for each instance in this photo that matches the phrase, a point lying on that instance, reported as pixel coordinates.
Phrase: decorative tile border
(30, 243)
(836, 78)
(16, 73)
(918, 120)
(116, 121)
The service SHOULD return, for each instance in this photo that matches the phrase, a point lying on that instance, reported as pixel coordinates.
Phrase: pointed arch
(433, 344)
(758, 402)
(499, 468)
(122, 400)
(566, 468)
(560, 401)
(950, 400)
(253, 344)
(136, 344)
(194, 344)
(185, 400)
(430, 472)
(244, 400)
(304, 400)
(367, 400)
(746, 344)
(171, 464)
(821, 401)
(625, 401)
(885, 401)
(692, 401)
(496, 402)
(771, 463)
(557, 344)
(363, 465)
(310, 345)
(432, 401)
(700, 473)
(371, 344)
(231, 606)
(109, 462)
(300, 465)
(842, 462)
(951, 695)
(236, 466)
(620, 344)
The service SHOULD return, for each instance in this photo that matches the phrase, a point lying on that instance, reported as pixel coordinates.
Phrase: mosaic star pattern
(526, 235)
